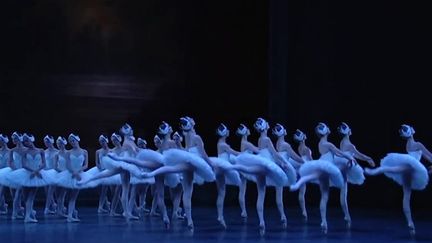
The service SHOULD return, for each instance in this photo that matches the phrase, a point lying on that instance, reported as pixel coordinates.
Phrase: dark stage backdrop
(364, 63)
(89, 66)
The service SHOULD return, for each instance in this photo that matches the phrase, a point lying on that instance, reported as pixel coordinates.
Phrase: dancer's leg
(115, 201)
(30, 192)
(160, 197)
(102, 199)
(187, 196)
(280, 206)
(407, 201)
(71, 205)
(385, 169)
(176, 194)
(179, 168)
(261, 186)
(302, 202)
(241, 196)
(304, 179)
(343, 200)
(324, 187)
(220, 184)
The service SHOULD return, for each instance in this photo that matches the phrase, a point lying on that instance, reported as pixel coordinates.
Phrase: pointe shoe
(293, 188)
(305, 216)
(324, 227)
(72, 220)
(368, 171)
(262, 229)
(130, 216)
(102, 211)
(411, 229)
(154, 214)
(167, 223)
(348, 222)
(17, 216)
(48, 211)
(191, 227)
(222, 223)
(284, 223)
(30, 220)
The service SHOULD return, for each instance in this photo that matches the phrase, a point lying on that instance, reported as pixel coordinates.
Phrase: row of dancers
(130, 168)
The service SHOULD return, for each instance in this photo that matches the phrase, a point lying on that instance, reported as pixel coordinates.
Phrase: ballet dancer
(32, 175)
(60, 165)
(141, 189)
(4, 169)
(114, 167)
(76, 163)
(224, 177)
(286, 151)
(104, 204)
(194, 165)
(406, 169)
(258, 169)
(15, 162)
(50, 153)
(351, 174)
(267, 150)
(324, 170)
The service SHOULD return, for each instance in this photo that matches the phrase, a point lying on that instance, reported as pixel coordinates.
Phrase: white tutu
(420, 177)
(289, 170)
(232, 177)
(172, 180)
(3, 177)
(354, 174)
(203, 172)
(21, 178)
(335, 176)
(151, 156)
(275, 175)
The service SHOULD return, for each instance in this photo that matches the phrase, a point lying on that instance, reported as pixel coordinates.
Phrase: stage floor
(368, 226)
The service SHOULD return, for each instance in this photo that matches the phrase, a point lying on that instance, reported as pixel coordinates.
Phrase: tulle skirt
(323, 166)
(23, 178)
(202, 173)
(111, 164)
(4, 172)
(354, 174)
(232, 177)
(419, 174)
(275, 176)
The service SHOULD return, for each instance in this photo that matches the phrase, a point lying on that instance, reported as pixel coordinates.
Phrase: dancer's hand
(371, 162)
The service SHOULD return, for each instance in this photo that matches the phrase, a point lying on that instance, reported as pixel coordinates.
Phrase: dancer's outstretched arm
(225, 147)
(291, 153)
(203, 153)
(246, 145)
(361, 156)
(425, 152)
(97, 161)
(43, 163)
(278, 158)
(339, 153)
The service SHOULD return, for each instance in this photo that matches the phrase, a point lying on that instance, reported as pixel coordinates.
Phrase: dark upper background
(89, 66)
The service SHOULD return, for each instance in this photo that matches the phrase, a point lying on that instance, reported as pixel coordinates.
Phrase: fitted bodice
(416, 154)
(17, 160)
(194, 150)
(61, 162)
(49, 159)
(4, 158)
(33, 161)
(327, 156)
(77, 162)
